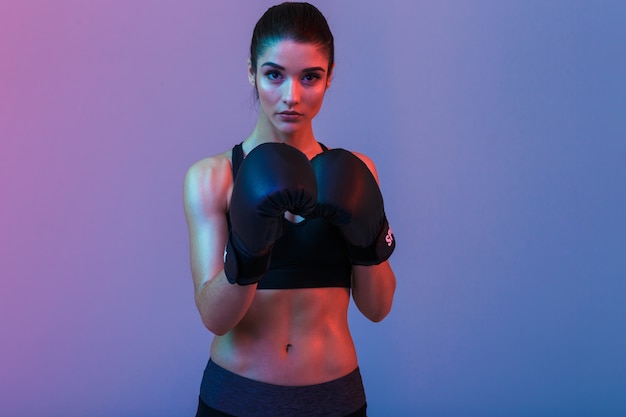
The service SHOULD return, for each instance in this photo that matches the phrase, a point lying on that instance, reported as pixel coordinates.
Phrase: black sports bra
(309, 254)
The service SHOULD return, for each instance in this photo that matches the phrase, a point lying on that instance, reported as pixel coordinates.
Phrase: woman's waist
(283, 356)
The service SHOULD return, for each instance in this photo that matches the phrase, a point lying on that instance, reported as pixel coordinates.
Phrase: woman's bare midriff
(291, 337)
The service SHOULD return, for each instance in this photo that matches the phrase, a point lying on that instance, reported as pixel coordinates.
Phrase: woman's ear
(251, 75)
(330, 76)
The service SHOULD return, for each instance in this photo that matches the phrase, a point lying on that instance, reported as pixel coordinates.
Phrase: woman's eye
(273, 75)
(311, 77)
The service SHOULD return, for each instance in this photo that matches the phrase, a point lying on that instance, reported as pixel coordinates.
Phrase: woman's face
(291, 80)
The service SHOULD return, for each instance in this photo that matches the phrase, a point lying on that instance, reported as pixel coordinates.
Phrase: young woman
(304, 229)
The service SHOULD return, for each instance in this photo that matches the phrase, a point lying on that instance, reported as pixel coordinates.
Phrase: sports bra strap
(237, 157)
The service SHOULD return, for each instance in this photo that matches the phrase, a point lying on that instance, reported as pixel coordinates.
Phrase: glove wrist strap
(379, 251)
(241, 267)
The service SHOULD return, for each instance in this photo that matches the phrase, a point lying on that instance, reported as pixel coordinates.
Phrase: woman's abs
(290, 337)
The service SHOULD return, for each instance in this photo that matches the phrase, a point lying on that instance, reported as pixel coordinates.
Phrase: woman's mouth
(289, 116)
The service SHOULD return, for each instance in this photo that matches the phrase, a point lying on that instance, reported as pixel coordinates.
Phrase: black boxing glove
(349, 197)
(272, 179)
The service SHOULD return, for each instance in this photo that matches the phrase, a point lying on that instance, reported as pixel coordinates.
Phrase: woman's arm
(373, 286)
(207, 189)
(372, 289)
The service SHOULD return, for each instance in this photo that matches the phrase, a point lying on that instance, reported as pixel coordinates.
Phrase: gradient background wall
(499, 132)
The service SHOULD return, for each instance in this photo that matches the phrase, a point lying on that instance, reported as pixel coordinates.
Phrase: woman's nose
(291, 92)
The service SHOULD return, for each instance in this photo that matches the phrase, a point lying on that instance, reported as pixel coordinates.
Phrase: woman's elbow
(217, 328)
(375, 313)
(215, 323)
(377, 318)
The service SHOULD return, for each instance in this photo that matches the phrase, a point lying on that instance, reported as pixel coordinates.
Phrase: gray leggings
(224, 393)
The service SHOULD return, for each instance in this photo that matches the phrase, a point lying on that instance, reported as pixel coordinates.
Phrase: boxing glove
(272, 179)
(349, 197)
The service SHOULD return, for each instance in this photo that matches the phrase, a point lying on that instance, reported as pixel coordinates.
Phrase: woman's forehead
(287, 51)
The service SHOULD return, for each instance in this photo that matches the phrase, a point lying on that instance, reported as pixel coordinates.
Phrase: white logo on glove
(389, 237)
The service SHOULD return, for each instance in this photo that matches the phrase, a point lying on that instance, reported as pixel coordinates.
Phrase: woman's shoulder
(208, 179)
(366, 159)
(211, 165)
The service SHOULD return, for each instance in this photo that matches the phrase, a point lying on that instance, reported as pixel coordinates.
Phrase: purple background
(499, 132)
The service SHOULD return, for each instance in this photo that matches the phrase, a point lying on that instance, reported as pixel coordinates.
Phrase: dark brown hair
(300, 22)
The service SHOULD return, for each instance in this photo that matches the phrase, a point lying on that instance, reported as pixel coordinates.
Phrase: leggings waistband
(240, 396)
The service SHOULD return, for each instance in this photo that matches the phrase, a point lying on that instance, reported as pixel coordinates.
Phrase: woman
(277, 298)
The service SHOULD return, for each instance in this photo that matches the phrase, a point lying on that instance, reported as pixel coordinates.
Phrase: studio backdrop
(498, 130)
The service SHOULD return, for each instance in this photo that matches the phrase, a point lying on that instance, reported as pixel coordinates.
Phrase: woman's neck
(302, 139)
